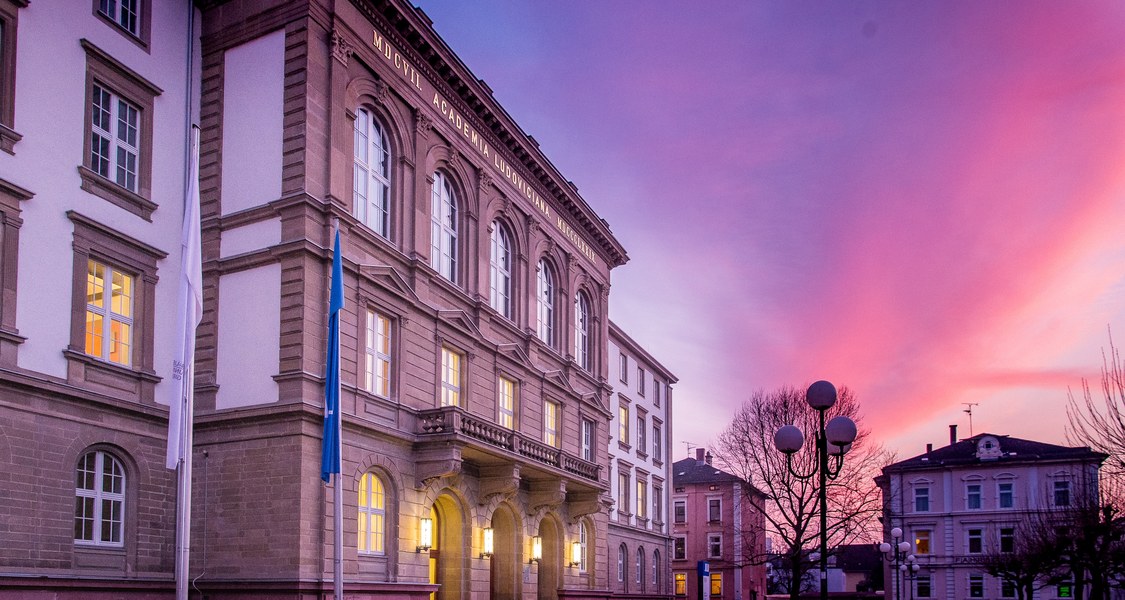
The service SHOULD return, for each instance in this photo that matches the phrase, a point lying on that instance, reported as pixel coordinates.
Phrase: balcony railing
(453, 420)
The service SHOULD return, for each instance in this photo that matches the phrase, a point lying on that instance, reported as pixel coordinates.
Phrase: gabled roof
(690, 470)
(1012, 450)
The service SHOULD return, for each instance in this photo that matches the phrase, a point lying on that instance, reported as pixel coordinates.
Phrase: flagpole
(332, 443)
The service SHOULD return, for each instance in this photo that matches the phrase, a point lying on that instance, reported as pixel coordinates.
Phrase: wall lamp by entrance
(426, 534)
(536, 550)
(575, 554)
(488, 543)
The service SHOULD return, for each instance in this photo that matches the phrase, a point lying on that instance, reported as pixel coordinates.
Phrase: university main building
(477, 398)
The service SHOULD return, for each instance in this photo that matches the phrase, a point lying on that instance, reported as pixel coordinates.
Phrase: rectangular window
(623, 492)
(624, 368)
(976, 586)
(587, 440)
(506, 402)
(681, 584)
(1007, 589)
(656, 385)
(126, 14)
(377, 369)
(921, 499)
(642, 499)
(640, 380)
(642, 433)
(551, 423)
(1007, 539)
(679, 548)
(679, 511)
(714, 510)
(623, 425)
(450, 377)
(972, 496)
(657, 504)
(714, 545)
(109, 313)
(716, 584)
(1062, 493)
(657, 446)
(9, 15)
(115, 137)
(1005, 495)
(924, 587)
(976, 541)
(922, 541)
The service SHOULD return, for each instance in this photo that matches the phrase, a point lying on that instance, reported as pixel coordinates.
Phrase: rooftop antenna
(969, 411)
(688, 446)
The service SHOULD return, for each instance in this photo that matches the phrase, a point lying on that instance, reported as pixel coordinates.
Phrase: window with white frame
(622, 558)
(372, 176)
(642, 499)
(639, 579)
(126, 14)
(976, 586)
(588, 440)
(657, 446)
(115, 138)
(583, 542)
(377, 354)
(642, 433)
(500, 270)
(372, 515)
(1062, 493)
(656, 571)
(506, 402)
(679, 548)
(714, 545)
(109, 313)
(443, 228)
(657, 503)
(714, 510)
(921, 499)
(99, 514)
(975, 540)
(623, 491)
(679, 511)
(551, 423)
(450, 377)
(973, 496)
(582, 331)
(545, 303)
(1005, 494)
(922, 541)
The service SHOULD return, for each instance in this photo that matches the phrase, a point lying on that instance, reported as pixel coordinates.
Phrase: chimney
(952, 434)
(708, 458)
(699, 454)
(929, 448)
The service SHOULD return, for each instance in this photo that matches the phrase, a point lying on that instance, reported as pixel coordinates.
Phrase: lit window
(545, 303)
(125, 13)
(443, 228)
(623, 492)
(714, 545)
(506, 402)
(109, 313)
(1062, 493)
(642, 499)
(623, 424)
(372, 176)
(922, 541)
(450, 378)
(587, 440)
(551, 424)
(1006, 495)
(500, 270)
(582, 331)
(377, 368)
(921, 499)
(99, 500)
(372, 515)
(972, 499)
(716, 584)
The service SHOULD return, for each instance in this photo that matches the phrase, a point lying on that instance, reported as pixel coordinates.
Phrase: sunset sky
(923, 201)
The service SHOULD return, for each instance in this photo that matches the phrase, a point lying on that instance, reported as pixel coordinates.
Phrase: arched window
(372, 515)
(443, 230)
(99, 513)
(501, 270)
(582, 330)
(622, 558)
(656, 571)
(545, 302)
(583, 541)
(640, 577)
(372, 177)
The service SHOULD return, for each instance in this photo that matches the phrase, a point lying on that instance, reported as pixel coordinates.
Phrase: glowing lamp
(488, 543)
(426, 534)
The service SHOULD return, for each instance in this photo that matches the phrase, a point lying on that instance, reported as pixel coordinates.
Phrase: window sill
(115, 194)
(8, 139)
(107, 377)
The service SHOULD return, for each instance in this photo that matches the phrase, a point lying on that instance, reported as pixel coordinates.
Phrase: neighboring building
(475, 337)
(851, 568)
(714, 520)
(957, 504)
(94, 147)
(640, 434)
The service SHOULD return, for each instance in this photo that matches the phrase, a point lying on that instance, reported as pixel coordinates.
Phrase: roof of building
(690, 470)
(1006, 450)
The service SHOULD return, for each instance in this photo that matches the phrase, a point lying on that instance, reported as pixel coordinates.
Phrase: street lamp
(910, 571)
(832, 439)
(898, 553)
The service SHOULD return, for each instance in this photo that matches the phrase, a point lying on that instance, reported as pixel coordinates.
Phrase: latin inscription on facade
(459, 123)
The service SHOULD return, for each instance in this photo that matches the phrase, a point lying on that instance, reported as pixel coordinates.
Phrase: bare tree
(790, 504)
(1101, 425)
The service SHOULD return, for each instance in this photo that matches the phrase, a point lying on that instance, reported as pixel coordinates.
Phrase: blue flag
(330, 451)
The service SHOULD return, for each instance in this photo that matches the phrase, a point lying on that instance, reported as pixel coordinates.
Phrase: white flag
(190, 309)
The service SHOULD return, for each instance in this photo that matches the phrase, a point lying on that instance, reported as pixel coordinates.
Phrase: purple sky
(923, 201)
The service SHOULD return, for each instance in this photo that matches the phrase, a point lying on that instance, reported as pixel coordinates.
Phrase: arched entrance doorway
(551, 564)
(448, 553)
(505, 562)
